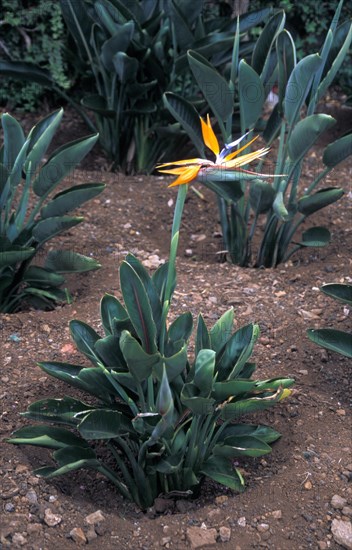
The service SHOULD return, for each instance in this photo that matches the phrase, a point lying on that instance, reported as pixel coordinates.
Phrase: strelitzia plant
(31, 214)
(168, 421)
(333, 339)
(293, 121)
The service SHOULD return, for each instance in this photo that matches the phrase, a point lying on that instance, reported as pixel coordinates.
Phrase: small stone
(162, 505)
(262, 527)
(242, 521)
(221, 499)
(338, 502)
(322, 545)
(308, 486)
(21, 469)
(9, 507)
(276, 514)
(213, 513)
(78, 536)
(19, 539)
(165, 541)
(31, 496)
(184, 506)
(342, 532)
(91, 534)
(34, 528)
(199, 537)
(224, 533)
(51, 519)
(304, 372)
(347, 511)
(341, 412)
(9, 488)
(188, 252)
(95, 517)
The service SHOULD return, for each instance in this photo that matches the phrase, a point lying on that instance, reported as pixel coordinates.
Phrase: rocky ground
(299, 496)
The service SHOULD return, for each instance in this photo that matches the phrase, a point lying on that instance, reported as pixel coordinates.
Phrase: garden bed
(287, 503)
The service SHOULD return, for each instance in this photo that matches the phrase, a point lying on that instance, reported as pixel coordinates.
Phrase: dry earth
(288, 502)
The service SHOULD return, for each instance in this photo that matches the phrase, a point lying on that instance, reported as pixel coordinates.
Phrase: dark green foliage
(330, 338)
(293, 120)
(167, 422)
(31, 215)
(34, 34)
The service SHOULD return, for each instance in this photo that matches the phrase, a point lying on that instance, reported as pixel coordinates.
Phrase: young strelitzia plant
(333, 339)
(169, 421)
(31, 214)
(238, 105)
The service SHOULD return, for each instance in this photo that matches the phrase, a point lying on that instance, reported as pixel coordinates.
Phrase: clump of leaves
(30, 215)
(331, 338)
(282, 205)
(168, 421)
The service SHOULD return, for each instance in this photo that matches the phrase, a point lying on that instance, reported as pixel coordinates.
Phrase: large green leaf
(235, 410)
(42, 277)
(66, 261)
(46, 229)
(338, 151)
(71, 198)
(126, 67)
(214, 87)
(332, 339)
(91, 380)
(149, 286)
(339, 291)
(110, 309)
(100, 424)
(70, 458)
(298, 86)
(251, 94)
(46, 436)
(26, 72)
(84, 337)
(117, 43)
(280, 208)
(265, 41)
(237, 351)
(224, 183)
(309, 204)
(241, 445)
(14, 139)
(273, 125)
(329, 77)
(220, 470)
(62, 162)
(41, 136)
(181, 327)
(185, 113)
(202, 336)
(261, 196)
(109, 351)
(14, 255)
(305, 134)
(315, 236)
(140, 364)
(286, 55)
(191, 398)
(221, 331)
(264, 433)
(231, 388)
(61, 411)
(138, 306)
(98, 104)
(204, 371)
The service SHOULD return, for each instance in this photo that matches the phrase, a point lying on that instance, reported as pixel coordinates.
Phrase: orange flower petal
(209, 137)
(182, 163)
(236, 153)
(188, 175)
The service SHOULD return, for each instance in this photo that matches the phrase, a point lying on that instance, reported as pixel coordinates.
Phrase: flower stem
(171, 273)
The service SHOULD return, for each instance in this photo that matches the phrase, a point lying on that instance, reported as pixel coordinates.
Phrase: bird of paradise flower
(187, 170)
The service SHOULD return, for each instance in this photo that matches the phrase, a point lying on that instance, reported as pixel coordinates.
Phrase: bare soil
(308, 465)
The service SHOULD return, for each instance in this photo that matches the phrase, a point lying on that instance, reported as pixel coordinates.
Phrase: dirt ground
(288, 501)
